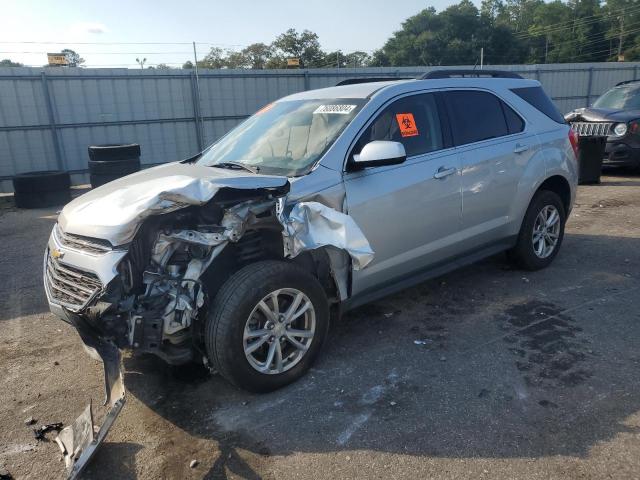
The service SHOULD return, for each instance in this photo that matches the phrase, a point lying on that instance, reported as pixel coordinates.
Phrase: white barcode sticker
(339, 109)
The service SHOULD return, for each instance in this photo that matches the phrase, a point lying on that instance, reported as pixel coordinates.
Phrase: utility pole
(195, 68)
(481, 57)
(337, 59)
(141, 62)
(621, 37)
(546, 48)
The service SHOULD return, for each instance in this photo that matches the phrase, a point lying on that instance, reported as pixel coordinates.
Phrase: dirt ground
(514, 375)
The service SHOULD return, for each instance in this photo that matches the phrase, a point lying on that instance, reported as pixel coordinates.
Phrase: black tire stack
(108, 162)
(41, 189)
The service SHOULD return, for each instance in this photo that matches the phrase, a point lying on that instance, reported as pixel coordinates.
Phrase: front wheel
(267, 325)
(541, 232)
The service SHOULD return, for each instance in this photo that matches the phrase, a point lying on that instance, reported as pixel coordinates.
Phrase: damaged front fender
(311, 225)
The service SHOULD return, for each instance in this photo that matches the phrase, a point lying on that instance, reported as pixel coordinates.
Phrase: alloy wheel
(279, 331)
(546, 231)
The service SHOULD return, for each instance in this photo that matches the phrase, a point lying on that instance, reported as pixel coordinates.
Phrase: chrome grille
(93, 246)
(592, 129)
(68, 286)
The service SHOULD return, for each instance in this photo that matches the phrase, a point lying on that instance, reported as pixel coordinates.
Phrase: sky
(164, 30)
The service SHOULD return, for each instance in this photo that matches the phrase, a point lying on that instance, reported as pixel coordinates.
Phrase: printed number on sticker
(339, 109)
(407, 124)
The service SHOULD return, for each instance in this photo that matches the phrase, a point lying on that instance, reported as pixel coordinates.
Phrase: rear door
(406, 211)
(494, 147)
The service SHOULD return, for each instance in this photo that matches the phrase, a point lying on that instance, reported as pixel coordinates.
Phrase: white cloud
(89, 27)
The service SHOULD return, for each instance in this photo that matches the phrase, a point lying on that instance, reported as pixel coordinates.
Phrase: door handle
(444, 172)
(520, 148)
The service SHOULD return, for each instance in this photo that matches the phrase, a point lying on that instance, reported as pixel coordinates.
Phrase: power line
(570, 24)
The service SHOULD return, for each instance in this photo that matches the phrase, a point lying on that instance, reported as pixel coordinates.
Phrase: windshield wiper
(236, 165)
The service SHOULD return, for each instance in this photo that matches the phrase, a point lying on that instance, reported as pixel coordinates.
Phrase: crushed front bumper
(80, 441)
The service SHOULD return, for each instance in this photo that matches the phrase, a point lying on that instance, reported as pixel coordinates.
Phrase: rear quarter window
(536, 97)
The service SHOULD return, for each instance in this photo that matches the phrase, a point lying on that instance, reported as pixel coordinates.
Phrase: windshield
(626, 98)
(284, 138)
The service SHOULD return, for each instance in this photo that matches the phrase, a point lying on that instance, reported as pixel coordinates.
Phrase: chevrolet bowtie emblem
(55, 253)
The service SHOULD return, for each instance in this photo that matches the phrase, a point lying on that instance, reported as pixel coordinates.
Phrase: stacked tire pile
(108, 162)
(41, 189)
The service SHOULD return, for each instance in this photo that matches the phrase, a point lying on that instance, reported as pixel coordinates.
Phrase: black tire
(41, 199)
(114, 151)
(45, 181)
(232, 307)
(99, 180)
(114, 167)
(523, 254)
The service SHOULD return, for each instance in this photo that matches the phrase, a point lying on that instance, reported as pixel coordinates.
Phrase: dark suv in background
(615, 115)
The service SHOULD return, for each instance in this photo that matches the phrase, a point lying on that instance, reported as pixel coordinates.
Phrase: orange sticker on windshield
(407, 124)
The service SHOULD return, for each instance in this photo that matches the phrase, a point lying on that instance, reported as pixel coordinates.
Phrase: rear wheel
(267, 325)
(541, 232)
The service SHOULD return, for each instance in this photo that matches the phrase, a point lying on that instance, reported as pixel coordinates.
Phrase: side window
(475, 116)
(412, 121)
(515, 124)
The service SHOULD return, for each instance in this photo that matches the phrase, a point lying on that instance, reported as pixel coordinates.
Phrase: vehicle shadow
(488, 361)
(620, 177)
(124, 468)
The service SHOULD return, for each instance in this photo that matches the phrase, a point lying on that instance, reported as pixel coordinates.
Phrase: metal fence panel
(48, 116)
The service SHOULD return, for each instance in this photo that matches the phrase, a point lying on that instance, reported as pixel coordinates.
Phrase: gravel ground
(514, 375)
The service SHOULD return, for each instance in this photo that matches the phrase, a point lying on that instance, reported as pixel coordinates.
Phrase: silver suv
(320, 202)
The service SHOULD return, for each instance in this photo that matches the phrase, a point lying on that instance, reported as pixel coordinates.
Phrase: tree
(214, 59)
(304, 46)
(188, 65)
(73, 59)
(8, 63)
(163, 66)
(235, 60)
(357, 59)
(335, 59)
(257, 55)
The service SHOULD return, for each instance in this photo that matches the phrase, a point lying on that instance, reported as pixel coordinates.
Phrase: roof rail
(627, 81)
(354, 81)
(452, 73)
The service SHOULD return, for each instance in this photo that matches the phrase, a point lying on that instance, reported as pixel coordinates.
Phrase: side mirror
(378, 153)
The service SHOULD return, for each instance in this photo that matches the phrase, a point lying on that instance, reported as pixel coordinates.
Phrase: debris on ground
(421, 342)
(443, 359)
(193, 464)
(39, 433)
(29, 421)
(393, 404)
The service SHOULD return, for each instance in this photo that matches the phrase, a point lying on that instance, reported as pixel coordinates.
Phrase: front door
(409, 212)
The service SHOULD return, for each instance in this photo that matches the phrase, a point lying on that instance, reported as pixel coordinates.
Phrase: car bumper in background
(621, 154)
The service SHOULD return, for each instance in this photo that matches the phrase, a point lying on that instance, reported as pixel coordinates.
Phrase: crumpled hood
(602, 115)
(115, 211)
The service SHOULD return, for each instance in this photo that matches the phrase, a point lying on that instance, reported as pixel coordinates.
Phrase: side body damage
(177, 258)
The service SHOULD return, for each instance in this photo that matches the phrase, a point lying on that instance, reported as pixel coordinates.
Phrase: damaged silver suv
(318, 203)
